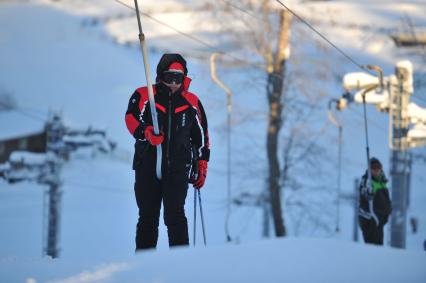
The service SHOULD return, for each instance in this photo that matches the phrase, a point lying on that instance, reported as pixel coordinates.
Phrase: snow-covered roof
(13, 125)
(26, 157)
(416, 113)
(418, 132)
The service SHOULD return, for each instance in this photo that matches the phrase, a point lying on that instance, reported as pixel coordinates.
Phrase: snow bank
(284, 260)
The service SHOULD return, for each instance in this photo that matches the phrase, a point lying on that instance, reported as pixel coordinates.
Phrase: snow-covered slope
(285, 260)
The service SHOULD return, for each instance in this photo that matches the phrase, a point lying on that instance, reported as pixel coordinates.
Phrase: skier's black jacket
(382, 205)
(181, 118)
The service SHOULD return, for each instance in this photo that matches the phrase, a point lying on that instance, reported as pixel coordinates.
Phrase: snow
(416, 113)
(358, 80)
(69, 56)
(406, 68)
(188, 22)
(289, 260)
(418, 132)
(30, 158)
(374, 96)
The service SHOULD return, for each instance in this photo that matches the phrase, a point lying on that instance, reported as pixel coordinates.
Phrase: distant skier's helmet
(375, 162)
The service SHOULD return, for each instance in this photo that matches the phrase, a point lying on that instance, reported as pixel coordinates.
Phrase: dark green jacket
(382, 205)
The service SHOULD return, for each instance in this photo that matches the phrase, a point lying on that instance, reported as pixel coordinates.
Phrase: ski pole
(150, 90)
(370, 200)
(195, 214)
(202, 218)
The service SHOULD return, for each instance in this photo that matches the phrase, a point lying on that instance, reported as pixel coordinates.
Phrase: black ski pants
(150, 192)
(372, 233)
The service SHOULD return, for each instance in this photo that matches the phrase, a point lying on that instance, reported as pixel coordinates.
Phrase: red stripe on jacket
(143, 92)
(180, 109)
(131, 123)
(193, 100)
(160, 107)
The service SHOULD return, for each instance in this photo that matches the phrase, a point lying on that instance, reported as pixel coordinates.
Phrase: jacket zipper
(169, 128)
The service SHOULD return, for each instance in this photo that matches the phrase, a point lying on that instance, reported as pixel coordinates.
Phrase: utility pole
(401, 90)
(228, 136)
(45, 168)
(339, 126)
(52, 198)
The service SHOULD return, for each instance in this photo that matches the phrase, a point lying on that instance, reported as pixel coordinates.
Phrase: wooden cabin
(20, 132)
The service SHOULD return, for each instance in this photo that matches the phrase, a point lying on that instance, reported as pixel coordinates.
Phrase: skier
(382, 207)
(185, 143)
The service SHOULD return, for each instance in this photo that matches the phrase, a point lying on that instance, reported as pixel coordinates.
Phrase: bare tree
(265, 30)
(274, 89)
(272, 45)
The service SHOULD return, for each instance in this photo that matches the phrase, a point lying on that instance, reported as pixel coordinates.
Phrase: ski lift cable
(242, 10)
(191, 37)
(194, 38)
(255, 65)
(362, 67)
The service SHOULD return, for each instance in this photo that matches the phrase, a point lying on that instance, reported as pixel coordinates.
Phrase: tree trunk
(274, 89)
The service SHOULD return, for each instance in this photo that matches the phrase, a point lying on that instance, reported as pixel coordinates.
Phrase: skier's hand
(202, 174)
(153, 138)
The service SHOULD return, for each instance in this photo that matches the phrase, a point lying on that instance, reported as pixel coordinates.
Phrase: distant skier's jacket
(381, 202)
(181, 118)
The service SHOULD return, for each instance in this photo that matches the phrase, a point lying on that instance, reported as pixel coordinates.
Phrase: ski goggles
(172, 77)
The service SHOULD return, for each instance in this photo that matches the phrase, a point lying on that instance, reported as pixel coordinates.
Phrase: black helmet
(166, 60)
(375, 161)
